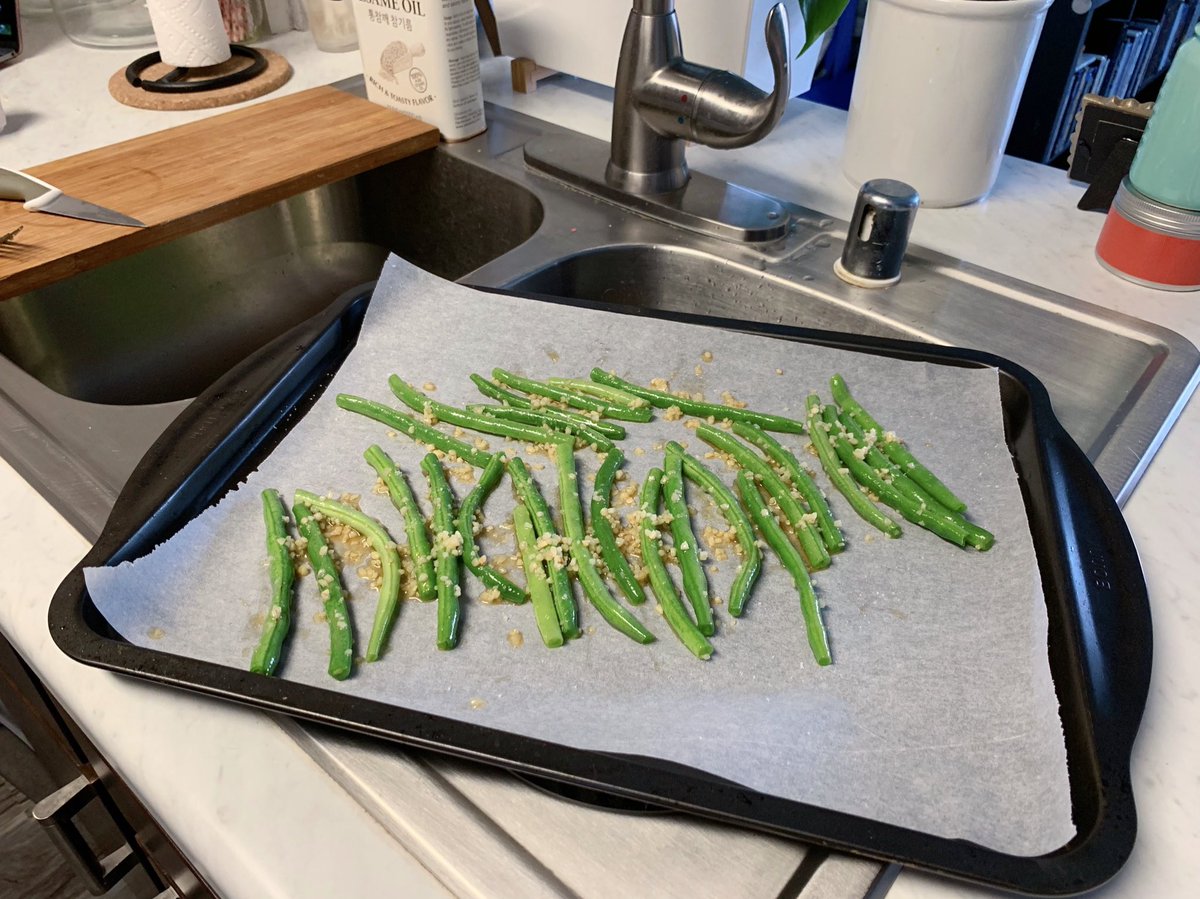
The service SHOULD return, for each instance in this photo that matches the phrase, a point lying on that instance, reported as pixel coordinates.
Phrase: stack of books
(1091, 71)
(1139, 50)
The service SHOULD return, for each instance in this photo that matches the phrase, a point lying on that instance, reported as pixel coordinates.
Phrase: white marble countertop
(255, 814)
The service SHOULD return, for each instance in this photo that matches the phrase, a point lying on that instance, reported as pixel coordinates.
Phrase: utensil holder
(935, 93)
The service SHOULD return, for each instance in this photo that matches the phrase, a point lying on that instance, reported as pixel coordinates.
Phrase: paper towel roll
(190, 33)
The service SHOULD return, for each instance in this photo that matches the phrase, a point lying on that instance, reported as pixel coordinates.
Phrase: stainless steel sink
(165, 323)
(92, 370)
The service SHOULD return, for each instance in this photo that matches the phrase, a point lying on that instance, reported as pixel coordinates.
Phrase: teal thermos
(1167, 164)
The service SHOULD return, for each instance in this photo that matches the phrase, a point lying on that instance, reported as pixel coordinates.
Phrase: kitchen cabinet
(105, 834)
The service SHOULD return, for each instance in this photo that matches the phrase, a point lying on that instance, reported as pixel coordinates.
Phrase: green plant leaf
(819, 17)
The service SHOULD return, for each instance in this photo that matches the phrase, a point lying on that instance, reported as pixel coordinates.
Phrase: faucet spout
(730, 111)
(662, 100)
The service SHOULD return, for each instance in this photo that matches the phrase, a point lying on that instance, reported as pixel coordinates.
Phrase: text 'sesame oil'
(421, 57)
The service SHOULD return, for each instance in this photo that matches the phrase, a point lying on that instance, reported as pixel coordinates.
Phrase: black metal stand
(172, 82)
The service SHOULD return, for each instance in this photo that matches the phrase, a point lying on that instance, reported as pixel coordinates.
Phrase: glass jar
(332, 24)
(105, 23)
(245, 20)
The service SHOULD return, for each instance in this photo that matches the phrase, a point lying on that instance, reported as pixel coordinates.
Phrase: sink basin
(165, 323)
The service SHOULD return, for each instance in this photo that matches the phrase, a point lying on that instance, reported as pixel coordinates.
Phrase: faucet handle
(732, 112)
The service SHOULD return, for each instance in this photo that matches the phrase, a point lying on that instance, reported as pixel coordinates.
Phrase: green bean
(914, 510)
(389, 560)
(695, 583)
(673, 610)
(814, 550)
(445, 559)
(551, 415)
(560, 583)
(279, 617)
(927, 504)
(414, 522)
(571, 398)
(895, 449)
(544, 611)
(494, 391)
(614, 559)
(554, 428)
(419, 402)
(758, 512)
(699, 408)
(593, 585)
(751, 565)
(831, 535)
(329, 585)
(840, 477)
(488, 576)
(417, 430)
(600, 391)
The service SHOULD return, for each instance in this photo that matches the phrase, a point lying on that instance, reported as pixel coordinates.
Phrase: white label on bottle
(422, 58)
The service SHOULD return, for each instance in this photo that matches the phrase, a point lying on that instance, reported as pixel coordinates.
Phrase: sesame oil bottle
(421, 57)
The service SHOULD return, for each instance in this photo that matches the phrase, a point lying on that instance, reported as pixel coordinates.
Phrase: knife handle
(36, 193)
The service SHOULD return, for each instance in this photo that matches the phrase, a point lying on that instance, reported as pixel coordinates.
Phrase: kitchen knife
(39, 196)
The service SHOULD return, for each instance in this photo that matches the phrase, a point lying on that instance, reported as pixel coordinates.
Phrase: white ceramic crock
(935, 92)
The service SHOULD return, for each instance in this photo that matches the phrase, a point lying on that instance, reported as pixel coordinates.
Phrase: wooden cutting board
(186, 178)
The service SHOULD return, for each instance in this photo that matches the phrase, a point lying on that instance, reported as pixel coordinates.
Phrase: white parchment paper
(938, 713)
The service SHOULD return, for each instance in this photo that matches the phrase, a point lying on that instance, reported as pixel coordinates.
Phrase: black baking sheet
(232, 430)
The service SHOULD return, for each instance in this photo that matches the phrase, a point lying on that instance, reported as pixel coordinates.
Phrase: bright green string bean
(818, 433)
(414, 522)
(494, 391)
(894, 449)
(488, 576)
(571, 398)
(600, 391)
(751, 565)
(417, 430)
(618, 566)
(445, 554)
(810, 541)
(552, 426)
(687, 552)
(560, 418)
(389, 560)
(765, 522)
(831, 535)
(485, 424)
(868, 477)
(544, 611)
(279, 617)
(673, 610)
(593, 585)
(926, 504)
(548, 536)
(699, 408)
(329, 586)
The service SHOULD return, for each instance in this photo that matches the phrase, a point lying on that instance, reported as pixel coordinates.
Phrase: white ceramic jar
(935, 91)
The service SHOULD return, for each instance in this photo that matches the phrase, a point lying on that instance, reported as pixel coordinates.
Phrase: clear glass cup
(332, 25)
(105, 23)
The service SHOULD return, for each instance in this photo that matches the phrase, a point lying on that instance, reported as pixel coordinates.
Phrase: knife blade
(39, 196)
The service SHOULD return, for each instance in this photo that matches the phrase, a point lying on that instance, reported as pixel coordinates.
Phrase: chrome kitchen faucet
(662, 100)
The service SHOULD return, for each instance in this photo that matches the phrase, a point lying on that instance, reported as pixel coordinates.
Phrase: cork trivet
(277, 72)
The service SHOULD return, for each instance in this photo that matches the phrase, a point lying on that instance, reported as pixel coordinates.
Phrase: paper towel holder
(173, 81)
